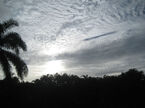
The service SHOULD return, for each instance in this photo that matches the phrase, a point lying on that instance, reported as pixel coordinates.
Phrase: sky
(94, 37)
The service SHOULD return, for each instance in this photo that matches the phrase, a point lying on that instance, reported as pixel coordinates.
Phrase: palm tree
(10, 44)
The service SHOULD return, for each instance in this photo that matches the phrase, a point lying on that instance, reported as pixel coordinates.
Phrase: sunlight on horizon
(52, 67)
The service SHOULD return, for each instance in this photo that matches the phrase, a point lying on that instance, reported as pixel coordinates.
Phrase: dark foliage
(123, 91)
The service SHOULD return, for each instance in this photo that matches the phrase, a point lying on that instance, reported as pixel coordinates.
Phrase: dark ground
(124, 91)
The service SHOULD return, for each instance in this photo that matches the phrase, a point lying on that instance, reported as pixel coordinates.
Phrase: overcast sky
(93, 37)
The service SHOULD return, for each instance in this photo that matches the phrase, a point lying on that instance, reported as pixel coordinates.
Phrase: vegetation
(122, 91)
(10, 44)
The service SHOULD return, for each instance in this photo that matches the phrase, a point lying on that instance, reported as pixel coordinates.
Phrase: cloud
(118, 55)
(102, 35)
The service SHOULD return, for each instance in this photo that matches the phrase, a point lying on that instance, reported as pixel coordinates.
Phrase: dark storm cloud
(130, 51)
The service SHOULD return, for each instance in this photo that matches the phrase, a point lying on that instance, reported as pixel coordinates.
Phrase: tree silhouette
(10, 44)
(63, 90)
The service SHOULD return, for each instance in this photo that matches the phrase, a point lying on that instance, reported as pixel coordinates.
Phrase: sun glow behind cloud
(52, 67)
(67, 41)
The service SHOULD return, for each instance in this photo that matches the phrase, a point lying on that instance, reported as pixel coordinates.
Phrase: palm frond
(1, 30)
(5, 65)
(7, 25)
(21, 67)
(13, 41)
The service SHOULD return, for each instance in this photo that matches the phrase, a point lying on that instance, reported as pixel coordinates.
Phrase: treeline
(126, 90)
